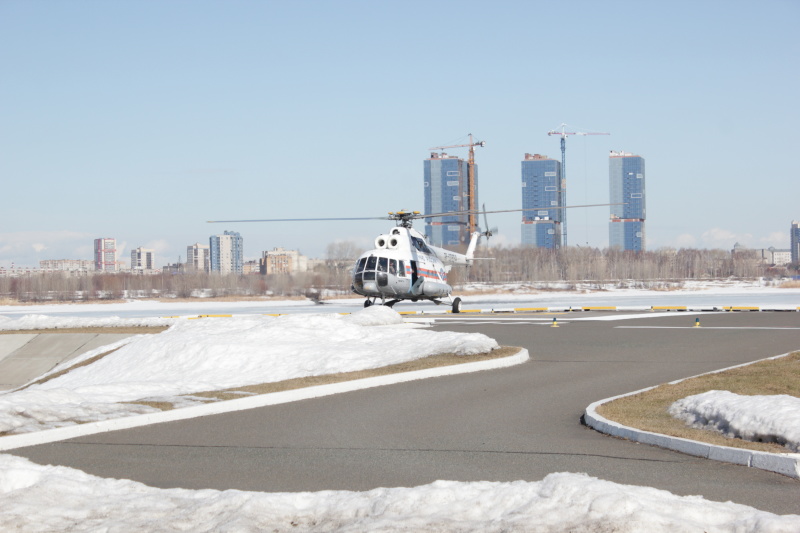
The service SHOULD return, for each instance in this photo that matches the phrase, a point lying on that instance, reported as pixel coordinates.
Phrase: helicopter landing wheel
(457, 305)
(367, 303)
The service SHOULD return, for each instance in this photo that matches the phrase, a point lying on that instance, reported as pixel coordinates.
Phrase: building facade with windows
(105, 255)
(142, 259)
(226, 253)
(280, 261)
(542, 195)
(446, 190)
(67, 265)
(794, 240)
(626, 179)
(198, 258)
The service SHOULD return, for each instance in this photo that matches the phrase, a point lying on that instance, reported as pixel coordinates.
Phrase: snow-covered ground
(53, 498)
(756, 418)
(219, 353)
(210, 353)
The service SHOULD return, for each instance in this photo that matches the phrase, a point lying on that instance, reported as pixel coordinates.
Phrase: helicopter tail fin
(473, 243)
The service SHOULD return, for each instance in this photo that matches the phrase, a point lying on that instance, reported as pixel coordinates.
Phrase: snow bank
(50, 322)
(755, 418)
(54, 498)
(219, 353)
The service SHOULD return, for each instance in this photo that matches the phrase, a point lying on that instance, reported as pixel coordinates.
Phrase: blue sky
(143, 120)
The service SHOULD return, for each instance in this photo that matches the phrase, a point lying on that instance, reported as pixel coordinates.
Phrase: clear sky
(143, 120)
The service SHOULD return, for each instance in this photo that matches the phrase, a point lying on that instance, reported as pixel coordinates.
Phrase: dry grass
(648, 410)
(433, 361)
(790, 285)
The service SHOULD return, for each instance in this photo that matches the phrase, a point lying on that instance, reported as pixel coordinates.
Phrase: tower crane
(563, 134)
(471, 193)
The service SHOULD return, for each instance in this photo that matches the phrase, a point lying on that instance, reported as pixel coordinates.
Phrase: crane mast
(472, 208)
(563, 134)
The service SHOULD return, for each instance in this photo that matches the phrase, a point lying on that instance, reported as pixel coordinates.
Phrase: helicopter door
(413, 272)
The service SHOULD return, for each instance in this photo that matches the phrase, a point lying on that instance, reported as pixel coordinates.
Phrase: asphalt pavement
(519, 423)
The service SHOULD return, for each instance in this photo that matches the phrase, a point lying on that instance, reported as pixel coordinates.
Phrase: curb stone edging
(11, 442)
(787, 464)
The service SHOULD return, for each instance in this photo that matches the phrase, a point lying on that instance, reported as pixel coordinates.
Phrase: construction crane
(563, 134)
(471, 193)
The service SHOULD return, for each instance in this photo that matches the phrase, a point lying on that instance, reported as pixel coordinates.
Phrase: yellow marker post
(697, 322)
(555, 323)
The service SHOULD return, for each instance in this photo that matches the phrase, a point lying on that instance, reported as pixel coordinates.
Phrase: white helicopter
(403, 266)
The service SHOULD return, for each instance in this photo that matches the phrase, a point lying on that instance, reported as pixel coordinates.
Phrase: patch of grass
(790, 285)
(648, 410)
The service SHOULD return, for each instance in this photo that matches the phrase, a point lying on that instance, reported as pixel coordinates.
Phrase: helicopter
(403, 265)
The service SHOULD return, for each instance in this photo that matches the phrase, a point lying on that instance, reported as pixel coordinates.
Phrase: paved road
(502, 425)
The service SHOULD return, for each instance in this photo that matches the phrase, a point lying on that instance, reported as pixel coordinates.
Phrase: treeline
(500, 265)
(58, 287)
(593, 264)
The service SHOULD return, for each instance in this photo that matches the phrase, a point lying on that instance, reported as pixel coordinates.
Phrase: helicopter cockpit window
(420, 245)
(402, 271)
(383, 264)
(371, 261)
(393, 267)
(361, 263)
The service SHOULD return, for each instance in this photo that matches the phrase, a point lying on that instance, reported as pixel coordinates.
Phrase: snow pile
(218, 353)
(756, 418)
(48, 498)
(28, 322)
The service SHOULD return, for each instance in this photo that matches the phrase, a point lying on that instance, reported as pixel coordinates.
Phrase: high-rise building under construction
(542, 198)
(446, 190)
(626, 229)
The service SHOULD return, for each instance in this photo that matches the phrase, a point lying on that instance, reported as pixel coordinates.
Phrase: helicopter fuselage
(404, 267)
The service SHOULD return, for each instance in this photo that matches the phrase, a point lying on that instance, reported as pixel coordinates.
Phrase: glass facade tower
(627, 190)
(542, 190)
(445, 186)
(794, 239)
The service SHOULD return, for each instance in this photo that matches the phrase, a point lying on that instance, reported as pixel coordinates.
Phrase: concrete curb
(787, 464)
(53, 435)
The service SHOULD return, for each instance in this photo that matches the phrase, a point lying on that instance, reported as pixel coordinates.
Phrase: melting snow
(755, 418)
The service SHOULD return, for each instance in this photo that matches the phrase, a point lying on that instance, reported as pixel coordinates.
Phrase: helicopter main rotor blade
(460, 213)
(406, 215)
(297, 219)
(547, 207)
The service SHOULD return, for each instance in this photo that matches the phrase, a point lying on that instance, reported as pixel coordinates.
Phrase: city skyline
(271, 110)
